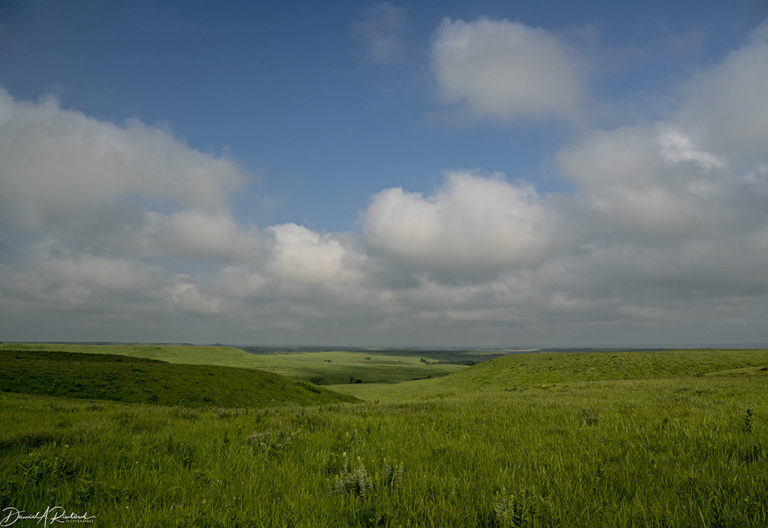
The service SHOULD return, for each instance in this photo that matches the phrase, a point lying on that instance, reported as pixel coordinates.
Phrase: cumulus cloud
(505, 70)
(646, 181)
(59, 162)
(671, 215)
(185, 294)
(725, 106)
(50, 275)
(124, 188)
(662, 236)
(678, 148)
(474, 226)
(89, 207)
(381, 30)
(308, 257)
(197, 234)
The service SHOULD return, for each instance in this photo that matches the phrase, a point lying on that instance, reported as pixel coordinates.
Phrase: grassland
(519, 371)
(321, 367)
(675, 438)
(346, 366)
(223, 356)
(138, 380)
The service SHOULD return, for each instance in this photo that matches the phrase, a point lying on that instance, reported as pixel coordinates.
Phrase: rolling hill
(516, 371)
(141, 380)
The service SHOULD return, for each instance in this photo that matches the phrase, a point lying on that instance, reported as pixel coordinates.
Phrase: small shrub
(41, 469)
(352, 482)
(186, 455)
(747, 427)
(507, 512)
(271, 441)
(358, 482)
(591, 416)
(391, 476)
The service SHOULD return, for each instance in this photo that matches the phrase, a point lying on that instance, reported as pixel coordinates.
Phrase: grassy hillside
(569, 367)
(668, 438)
(321, 367)
(434, 355)
(684, 451)
(139, 380)
(345, 366)
(519, 371)
(223, 356)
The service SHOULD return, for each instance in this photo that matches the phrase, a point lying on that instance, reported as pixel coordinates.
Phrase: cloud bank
(124, 232)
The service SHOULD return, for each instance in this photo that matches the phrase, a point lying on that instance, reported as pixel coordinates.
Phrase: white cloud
(95, 273)
(726, 106)
(506, 70)
(185, 294)
(197, 233)
(381, 29)
(57, 277)
(90, 207)
(129, 190)
(676, 147)
(61, 167)
(473, 226)
(308, 257)
(647, 182)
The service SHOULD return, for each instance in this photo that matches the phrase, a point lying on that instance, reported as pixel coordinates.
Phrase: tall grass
(674, 451)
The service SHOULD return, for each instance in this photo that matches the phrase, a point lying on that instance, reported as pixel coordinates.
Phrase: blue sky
(291, 94)
(344, 160)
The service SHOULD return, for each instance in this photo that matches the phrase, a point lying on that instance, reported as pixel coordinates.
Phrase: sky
(384, 174)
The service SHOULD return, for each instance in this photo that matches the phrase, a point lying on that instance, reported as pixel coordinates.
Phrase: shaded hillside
(318, 366)
(224, 356)
(137, 380)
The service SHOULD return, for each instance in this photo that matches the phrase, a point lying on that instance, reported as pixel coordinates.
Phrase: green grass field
(321, 367)
(667, 438)
(138, 380)
(339, 367)
(223, 356)
(518, 371)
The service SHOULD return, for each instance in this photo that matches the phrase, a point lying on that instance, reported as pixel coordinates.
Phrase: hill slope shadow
(139, 380)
